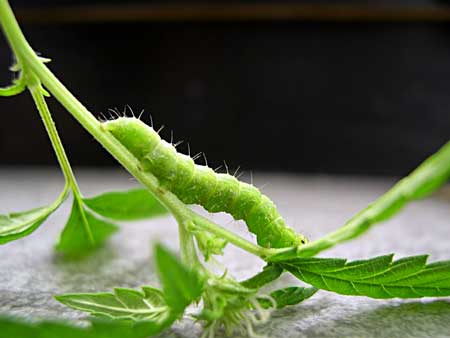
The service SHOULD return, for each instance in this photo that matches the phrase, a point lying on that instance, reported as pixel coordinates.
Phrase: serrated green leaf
(19, 328)
(148, 305)
(126, 205)
(378, 277)
(19, 224)
(269, 274)
(181, 287)
(287, 296)
(83, 232)
(181, 284)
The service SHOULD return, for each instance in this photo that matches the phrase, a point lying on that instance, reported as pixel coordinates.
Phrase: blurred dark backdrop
(355, 87)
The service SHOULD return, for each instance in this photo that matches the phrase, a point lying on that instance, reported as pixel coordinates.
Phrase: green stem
(187, 246)
(61, 196)
(17, 87)
(44, 112)
(424, 180)
(206, 225)
(180, 211)
(30, 60)
(28, 57)
(36, 92)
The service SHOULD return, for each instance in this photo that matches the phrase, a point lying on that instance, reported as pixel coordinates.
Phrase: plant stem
(205, 224)
(17, 87)
(28, 59)
(181, 212)
(36, 92)
(187, 246)
(44, 112)
(424, 180)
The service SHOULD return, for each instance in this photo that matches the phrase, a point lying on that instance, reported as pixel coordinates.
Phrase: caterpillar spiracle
(199, 184)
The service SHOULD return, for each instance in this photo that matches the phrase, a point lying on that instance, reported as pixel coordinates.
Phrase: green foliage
(18, 328)
(175, 180)
(19, 224)
(378, 277)
(269, 274)
(228, 305)
(83, 232)
(181, 286)
(16, 225)
(126, 205)
(288, 296)
(423, 181)
(148, 304)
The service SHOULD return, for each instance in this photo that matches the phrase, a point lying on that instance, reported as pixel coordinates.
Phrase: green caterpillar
(198, 184)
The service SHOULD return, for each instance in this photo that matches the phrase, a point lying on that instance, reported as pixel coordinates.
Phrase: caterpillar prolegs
(199, 184)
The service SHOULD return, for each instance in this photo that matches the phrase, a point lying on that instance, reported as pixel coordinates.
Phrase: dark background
(333, 87)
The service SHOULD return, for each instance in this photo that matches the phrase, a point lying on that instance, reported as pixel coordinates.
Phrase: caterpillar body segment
(199, 184)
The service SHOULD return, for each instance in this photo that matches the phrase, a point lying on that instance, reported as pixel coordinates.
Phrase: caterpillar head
(134, 134)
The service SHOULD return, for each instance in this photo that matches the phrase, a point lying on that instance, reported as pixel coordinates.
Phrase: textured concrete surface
(30, 271)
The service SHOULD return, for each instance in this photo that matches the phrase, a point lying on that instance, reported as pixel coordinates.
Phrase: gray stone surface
(31, 272)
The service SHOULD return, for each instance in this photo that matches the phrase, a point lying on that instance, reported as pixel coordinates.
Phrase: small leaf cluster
(157, 308)
(226, 303)
(90, 222)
